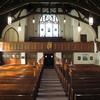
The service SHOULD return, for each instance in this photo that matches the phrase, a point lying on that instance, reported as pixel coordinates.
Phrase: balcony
(46, 46)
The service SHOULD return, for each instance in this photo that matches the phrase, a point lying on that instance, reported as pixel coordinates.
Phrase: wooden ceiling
(85, 7)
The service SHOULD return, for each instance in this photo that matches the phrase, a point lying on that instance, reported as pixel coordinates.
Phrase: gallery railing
(46, 46)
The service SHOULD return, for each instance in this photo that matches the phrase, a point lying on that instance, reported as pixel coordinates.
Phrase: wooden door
(83, 38)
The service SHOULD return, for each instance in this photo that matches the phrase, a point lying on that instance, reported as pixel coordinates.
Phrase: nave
(50, 87)
(25, 82)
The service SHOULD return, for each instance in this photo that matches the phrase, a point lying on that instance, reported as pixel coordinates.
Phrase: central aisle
(50, 87)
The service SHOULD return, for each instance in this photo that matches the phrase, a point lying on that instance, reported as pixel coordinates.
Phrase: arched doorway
(11, 35)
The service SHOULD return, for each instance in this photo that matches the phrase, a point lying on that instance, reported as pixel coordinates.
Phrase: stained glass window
(49, 26)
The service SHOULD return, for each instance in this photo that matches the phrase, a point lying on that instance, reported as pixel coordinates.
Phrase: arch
(11, 35)
(49, 26)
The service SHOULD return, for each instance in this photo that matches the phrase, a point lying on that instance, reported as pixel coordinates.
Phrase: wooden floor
(50, 87)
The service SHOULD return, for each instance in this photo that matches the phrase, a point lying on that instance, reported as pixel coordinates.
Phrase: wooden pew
(62, 76)
(19, 82)
(19, 91)
(81, 84)
(85, 94)
(73, 77)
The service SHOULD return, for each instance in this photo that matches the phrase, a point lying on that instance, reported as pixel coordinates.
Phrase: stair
(50, 87)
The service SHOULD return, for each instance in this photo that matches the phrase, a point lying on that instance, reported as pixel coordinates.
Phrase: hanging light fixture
(55, 18)
(90, 19)
(79, 27)
(19, 27)
(9, 19)
(64, 19)
(33, 20)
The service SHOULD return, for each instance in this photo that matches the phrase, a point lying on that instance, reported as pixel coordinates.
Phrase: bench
(19, 82)
(83, 80)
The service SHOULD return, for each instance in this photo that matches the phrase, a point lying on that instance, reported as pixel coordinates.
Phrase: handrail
(46, 46)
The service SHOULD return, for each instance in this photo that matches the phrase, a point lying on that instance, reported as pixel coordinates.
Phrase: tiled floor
(50, 87)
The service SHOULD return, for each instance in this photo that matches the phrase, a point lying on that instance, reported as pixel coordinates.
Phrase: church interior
(49, 49)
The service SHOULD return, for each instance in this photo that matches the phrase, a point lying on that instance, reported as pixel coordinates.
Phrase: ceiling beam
(85, 7)
(6, 2)
(24, 16)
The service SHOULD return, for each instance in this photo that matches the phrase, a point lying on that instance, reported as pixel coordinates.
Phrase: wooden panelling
(12, 61)
(46, 46)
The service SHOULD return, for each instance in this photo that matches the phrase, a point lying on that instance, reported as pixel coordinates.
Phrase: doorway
(48, 60)
(83, 37)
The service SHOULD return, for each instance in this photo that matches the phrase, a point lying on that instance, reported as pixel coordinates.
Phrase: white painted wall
(86, 29)
(58, 58)
(97, 60)
(58, 55)
(67, 30)
(15, 25)
(82, 55)
(39, 56)
(33, 29)
(98, 33)
(97, 55)
(23, 58)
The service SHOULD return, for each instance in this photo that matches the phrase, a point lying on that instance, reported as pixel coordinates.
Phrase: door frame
(53, 63)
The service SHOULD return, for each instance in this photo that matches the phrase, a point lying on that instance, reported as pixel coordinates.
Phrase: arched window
(49, 26)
